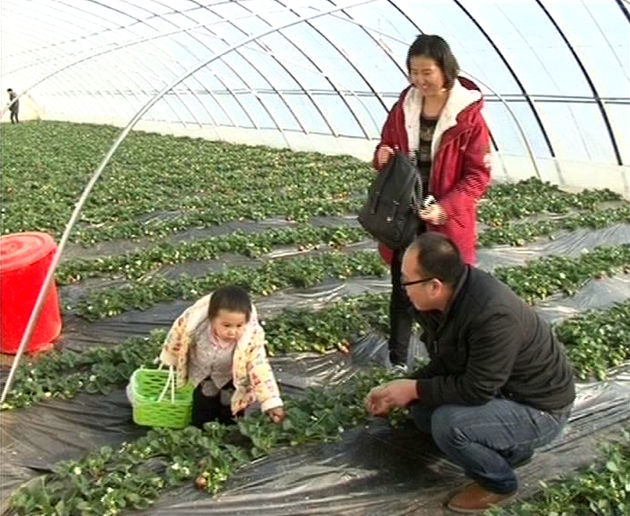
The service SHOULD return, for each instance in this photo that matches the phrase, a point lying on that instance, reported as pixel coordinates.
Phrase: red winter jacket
(460, 170)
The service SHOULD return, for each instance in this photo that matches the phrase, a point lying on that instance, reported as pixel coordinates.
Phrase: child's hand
(276, 414)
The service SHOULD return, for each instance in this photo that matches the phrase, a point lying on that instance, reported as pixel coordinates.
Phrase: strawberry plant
(520, 233)
(134, 265)
(541, 278)
(535, 281)
(505, 202)
(601, 489)
(269, 277)
(151, 175)
(137, 264)
(328, 328)
(107, 481)
(98, 369)
(597, 340)
(157, 185)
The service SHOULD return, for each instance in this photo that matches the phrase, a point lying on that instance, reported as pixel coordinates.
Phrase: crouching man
(498, 384)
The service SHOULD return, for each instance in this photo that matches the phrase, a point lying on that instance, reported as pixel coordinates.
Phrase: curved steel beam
(589, 80)
(305, 90)
(506, 64)
(622, 5)
(39, 304)
(107, 51)
(338, 86)
(288, 106)
(244, 82)
(501, 98)
(352, 65)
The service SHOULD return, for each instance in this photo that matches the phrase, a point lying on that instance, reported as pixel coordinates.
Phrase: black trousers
(209, 408)
(400, 315)
(14, 116)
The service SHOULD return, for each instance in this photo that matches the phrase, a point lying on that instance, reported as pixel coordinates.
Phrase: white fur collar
(459, 99)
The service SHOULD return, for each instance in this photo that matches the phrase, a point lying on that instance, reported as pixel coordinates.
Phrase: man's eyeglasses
(415, 282)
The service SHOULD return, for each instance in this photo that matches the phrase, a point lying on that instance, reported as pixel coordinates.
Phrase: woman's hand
(276, 414)
(434, 215)
(383, 155)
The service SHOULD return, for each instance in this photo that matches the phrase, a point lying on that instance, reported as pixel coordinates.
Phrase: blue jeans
(489, 440)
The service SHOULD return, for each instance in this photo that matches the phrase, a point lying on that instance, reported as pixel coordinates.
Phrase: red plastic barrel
(24, 262)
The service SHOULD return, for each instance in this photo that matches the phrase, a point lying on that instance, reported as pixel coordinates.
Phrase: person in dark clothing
(498, 383)
(14, 108)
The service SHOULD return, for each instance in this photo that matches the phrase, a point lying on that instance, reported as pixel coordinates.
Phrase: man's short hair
(439, 257)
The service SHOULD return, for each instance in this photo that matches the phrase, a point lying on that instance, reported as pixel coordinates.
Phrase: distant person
(498, 384)
(438, 123)
(15, 107)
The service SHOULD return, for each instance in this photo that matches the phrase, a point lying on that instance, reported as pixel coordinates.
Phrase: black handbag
(390, 212)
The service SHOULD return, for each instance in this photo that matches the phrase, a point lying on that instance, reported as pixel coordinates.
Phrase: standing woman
(438, 123)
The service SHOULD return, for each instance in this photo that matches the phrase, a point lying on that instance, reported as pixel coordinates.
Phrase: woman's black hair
(232, 299)
(436, 48)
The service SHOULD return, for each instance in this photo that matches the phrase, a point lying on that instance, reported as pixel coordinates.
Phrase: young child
(218, 346)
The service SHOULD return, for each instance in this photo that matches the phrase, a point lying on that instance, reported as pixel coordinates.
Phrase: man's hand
(276, 414)
(383, 155)
(375, 402)
(434, 215)
(397, 393)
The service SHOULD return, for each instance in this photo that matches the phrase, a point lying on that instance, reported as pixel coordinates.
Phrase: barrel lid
(20, 250)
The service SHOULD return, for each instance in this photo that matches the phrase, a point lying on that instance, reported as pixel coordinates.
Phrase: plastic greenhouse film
(379, 470)
(297, 372)
(118, 247)
(596, 294)
(33, 440)
(565, 243)
(79, 334)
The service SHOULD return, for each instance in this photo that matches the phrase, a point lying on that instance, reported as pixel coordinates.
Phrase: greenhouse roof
(305, 69)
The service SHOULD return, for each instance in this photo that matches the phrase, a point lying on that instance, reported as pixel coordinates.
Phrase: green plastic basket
(153, 405)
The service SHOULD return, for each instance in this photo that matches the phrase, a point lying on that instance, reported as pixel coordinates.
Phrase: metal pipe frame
(501, 98)
(39, 304)
(589, 80)
(125, 45)
(503, 59)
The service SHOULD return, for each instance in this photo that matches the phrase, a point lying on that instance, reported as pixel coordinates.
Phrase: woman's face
(426, 75)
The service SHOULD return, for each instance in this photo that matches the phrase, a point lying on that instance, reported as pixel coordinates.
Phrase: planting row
(108, 481)
(596, 340)
(535, 281)
(157, 185)
(137, 264)
(505, 202)
(270, 277)
(152, 175)
(603, 489)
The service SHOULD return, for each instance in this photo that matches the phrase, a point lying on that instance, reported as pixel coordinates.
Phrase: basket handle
(171, 382)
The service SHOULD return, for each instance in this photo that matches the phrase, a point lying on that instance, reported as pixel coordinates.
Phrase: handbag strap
(417, 203)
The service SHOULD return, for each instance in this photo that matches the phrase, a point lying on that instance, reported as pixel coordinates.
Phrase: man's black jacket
(489, 343)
